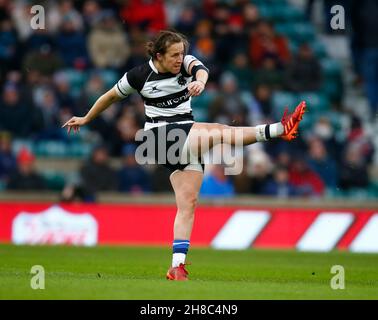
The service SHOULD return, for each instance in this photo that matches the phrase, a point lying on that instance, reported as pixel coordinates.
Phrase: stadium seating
(297, 31)
(279, 10)
(281, 100)
(318, 102)
(54, 180)
(76, 80)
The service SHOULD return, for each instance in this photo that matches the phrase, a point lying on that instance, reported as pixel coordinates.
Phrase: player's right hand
(75, 123)
(195, 88)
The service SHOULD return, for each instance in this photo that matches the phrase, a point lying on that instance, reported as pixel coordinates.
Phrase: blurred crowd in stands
(262, 56)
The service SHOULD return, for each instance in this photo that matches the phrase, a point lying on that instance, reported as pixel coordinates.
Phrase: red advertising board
(220, 227)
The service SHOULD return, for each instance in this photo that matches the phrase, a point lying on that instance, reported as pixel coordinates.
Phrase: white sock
(264, 132)
(276, 129)
(178, 258)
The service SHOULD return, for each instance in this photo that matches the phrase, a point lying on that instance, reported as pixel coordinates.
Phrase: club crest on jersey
(181, 80)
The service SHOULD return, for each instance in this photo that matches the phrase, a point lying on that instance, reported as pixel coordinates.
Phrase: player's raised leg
(186, 185)
(204, 136)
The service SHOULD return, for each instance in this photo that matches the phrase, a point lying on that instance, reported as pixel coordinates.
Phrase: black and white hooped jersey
(164, 94)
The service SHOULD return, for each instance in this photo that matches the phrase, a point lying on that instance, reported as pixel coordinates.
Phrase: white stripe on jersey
(123, 87)
(188, 60)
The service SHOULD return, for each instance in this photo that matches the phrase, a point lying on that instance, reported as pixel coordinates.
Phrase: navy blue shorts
(169, 141)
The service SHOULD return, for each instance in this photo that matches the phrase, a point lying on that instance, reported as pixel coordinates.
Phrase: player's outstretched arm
(100, 105)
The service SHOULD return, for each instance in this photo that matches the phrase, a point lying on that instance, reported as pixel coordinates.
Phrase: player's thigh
(204, 136)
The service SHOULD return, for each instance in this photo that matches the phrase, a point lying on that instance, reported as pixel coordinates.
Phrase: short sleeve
(123, 87)
(188, 60)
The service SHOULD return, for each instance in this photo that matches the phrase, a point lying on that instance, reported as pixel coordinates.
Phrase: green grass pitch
(139, 273)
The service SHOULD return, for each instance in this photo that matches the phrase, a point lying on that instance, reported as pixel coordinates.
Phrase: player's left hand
(195, 88)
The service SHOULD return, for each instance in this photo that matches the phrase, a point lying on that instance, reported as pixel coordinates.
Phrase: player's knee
(191, 201)
(221, 127)
(218, 132)
(188, 201)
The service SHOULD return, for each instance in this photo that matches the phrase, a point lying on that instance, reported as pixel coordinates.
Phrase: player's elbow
(111, 96)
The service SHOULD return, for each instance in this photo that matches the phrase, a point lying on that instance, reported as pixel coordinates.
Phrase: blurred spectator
(147, 14)
(63, 92)
(21, 15)
(138, 54)
(5, 9)
(365, 46)
(359, 138)
(107, 43)
(60, 11)
(306, 181)
(91, 12)
(251, 17)
(216, 183)
(304, 73)
(71, 44)
(353, 170)
(228, 33)
(283, 159)
(97, 175)
(9, 45)
(14, 77)
(203, 46)
(259, 169)
(227, 106)
(332, 138)
(269, 73)
(92, 90)
(242, 70)
(241, 181)
(104, 123)
(321, 163)
(265, 42)
(174, 10)
(7, 159)
(49, 114)
(187, 21)
(45, 61)
(39, 38)
(126, 128)
(262, 103)
(25, 177)
(279, 184)
(15, 115)
(132, 177)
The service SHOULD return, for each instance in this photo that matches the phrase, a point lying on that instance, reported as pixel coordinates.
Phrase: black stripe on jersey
(137, 76)
(170, 101)
(160, 76)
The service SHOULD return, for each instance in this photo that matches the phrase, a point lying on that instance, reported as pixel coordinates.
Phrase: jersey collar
(153, 66)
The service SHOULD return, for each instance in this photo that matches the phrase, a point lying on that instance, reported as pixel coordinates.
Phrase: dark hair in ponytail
(163, 40)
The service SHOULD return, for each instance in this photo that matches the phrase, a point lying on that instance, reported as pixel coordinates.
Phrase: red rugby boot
(290, 122)
(178, 273)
